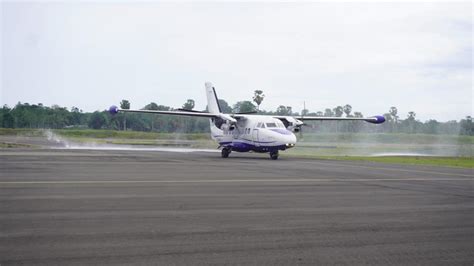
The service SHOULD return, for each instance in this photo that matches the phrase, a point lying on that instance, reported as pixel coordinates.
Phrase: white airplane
(242, 132)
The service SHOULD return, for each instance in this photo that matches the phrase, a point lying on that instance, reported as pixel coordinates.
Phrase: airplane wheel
(225, 152)
(274, 155)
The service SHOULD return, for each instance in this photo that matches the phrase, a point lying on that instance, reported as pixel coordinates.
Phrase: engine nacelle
(228, 126)
(224, 122)
(294, 129)
(293, 124)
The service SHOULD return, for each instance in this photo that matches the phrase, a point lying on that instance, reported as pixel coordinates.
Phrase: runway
(79, 207)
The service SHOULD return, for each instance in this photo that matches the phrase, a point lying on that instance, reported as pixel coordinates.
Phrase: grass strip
(463, 162)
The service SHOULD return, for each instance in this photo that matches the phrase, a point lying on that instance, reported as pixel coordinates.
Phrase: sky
(416, 56)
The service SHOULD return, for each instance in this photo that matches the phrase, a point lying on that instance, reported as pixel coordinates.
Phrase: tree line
(25, 115)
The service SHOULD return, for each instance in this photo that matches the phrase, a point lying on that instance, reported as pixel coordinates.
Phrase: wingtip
(378, 119)
(113, 110)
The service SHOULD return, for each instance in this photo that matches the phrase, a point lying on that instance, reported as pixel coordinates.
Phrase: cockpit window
(271, 125)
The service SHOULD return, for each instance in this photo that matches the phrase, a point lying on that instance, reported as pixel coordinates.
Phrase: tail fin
(212, 100)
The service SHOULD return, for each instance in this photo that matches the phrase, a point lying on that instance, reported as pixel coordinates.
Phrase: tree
(388, 118)
(163, 108)
(347, 109)
(467, 126)
(393, 112)
(97, 120)
(125, 104)
(151, 106)
(431, 127)
(283, 110)
(411, 122)
(8, 120)
(244, 107)
(338, 111)
(357, 126)
(75, 116)
(328, 113)
(258, 97)
(225, 107)
(189, 104)
(152, 118)
(358, 114)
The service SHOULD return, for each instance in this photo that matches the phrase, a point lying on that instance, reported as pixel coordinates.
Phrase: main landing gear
(274, 155)
(225, 152)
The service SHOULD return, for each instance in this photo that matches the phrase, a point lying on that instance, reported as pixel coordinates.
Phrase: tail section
(212, 100)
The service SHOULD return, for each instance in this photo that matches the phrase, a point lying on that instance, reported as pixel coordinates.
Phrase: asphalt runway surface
(83, 207)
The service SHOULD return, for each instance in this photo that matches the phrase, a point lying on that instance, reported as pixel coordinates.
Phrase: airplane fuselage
(254, 133)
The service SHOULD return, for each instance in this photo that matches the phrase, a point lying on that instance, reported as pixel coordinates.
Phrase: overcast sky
(415, 56)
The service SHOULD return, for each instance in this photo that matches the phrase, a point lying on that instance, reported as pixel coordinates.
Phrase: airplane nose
(284, 137)
(291, 140)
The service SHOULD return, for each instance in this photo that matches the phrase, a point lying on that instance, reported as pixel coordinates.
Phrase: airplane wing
(374, 119)
(233, 117)
(115, 110)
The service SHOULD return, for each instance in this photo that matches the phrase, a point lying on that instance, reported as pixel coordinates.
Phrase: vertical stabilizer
(212, 100)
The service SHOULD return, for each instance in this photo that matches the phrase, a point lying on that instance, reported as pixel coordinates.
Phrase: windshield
(271, 125)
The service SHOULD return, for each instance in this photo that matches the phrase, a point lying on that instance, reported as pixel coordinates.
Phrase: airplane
(249, 132)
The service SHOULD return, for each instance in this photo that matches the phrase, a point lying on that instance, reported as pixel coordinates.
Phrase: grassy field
(27, 132)
(9, 145)
(445, 150)
(386, 138)
(464, 162)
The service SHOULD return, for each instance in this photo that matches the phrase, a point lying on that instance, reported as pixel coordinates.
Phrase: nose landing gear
(274, 155)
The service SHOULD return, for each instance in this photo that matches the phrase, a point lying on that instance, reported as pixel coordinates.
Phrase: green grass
(27, 132)
(386, 138)
(8, 145)
(464, 162)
